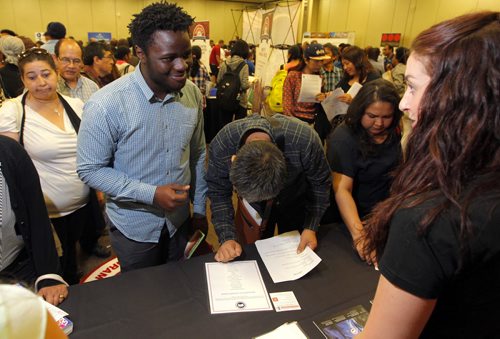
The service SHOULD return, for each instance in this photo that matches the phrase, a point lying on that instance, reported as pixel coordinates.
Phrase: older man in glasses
(69, 63)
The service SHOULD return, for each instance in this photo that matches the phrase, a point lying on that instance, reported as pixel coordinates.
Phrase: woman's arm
(396, 313)
(342, 186)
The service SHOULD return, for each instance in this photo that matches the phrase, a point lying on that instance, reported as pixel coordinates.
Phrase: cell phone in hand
(193, 244)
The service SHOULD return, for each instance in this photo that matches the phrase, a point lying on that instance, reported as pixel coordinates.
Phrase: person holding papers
(277, 159)
(363, 151)
(309, 111)
(357, 68)
(436, 237)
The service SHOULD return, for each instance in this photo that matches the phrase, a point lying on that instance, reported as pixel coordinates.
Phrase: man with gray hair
(278, 159)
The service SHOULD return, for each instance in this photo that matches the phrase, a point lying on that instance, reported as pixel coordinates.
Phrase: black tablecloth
(171, 301)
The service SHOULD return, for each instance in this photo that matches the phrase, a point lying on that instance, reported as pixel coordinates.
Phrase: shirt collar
(148, 93)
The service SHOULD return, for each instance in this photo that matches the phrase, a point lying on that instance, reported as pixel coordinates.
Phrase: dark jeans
(69, 230)
(133, 254)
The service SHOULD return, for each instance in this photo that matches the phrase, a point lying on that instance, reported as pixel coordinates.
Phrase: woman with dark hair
(357, 68)
(436, 237)
(198, 73)
(362, 153)
(239, 52)
(309, 112)
(46, 124)
(294, 56)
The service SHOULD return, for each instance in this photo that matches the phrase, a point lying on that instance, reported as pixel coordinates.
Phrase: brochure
(343, 325)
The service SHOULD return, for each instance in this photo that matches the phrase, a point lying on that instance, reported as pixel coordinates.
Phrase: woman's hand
(359, 244)
(347, 98)
(54, 294)
(320, 97)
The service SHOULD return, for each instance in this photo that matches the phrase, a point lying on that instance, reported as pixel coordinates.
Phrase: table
(171, 301)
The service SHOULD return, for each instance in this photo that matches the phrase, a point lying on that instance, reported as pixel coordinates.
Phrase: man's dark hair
(259, 171)
(57, 47)
(333, 48)
(8, 32)
(94, 49)
(373, 53)
(240, 48)
(402, 54)
(121, 52)
(159, 16)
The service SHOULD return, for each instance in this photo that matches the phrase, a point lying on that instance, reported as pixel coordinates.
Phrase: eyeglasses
(33, 51)
(67, 61)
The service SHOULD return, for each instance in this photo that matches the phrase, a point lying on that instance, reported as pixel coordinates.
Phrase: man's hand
(307, 238)
(171, 196)
(228, 251)
(54, 294)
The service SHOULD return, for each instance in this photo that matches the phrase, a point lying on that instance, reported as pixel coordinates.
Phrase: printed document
(281, 259)
(309, 88)
(236, 287)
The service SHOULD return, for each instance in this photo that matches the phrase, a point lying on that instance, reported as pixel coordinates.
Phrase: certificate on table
(280, 256)
(236, 287)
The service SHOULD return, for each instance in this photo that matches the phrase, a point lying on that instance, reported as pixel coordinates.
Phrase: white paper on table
(284, 301)
(280, 256)
(287, 330)
(309, 88)
(236, 287)
(355, 87)
(333, 106)
(55, 311)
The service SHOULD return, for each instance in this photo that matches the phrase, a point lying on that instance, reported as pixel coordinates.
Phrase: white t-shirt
(53, 152)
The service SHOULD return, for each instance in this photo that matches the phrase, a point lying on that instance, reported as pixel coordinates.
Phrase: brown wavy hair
(453, 152)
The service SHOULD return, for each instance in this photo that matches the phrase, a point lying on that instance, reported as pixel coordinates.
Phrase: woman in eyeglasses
(46, 123)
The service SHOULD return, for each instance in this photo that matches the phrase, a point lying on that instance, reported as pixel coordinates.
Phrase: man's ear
(141, 54)
(233, 158)
(96, 60)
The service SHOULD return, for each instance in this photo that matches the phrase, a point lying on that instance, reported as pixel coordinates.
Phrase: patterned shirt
(331, 78)
(291, 90)
(130, 142)
(201, 78)
(83, 90)
(303, 153)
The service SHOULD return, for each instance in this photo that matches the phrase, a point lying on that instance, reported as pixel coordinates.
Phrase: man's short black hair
(93, 49)
(8, 32)
(159, 16)
(121, 52)
(259, 171)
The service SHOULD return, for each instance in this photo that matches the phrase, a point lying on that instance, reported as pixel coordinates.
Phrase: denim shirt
(130, 142)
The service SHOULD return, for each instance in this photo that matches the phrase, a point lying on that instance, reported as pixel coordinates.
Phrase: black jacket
(32, 220)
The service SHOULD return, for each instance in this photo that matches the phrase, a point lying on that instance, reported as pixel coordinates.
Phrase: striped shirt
(200, 79)
(303, 153)
(130, 142)
(83, 90)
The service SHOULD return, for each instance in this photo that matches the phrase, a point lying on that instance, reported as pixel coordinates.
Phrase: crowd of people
(120, 129)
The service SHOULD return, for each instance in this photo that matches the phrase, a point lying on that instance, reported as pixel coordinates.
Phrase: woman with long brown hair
(437, 236)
